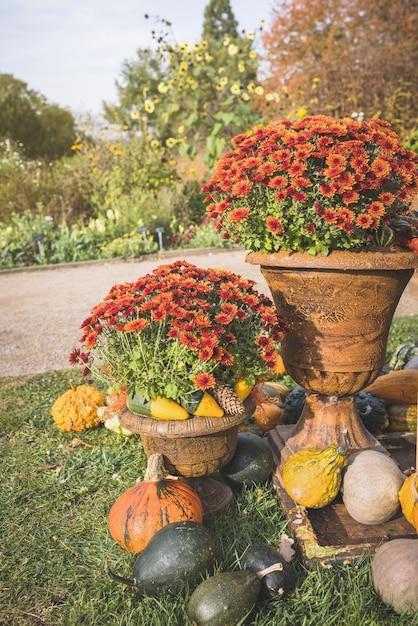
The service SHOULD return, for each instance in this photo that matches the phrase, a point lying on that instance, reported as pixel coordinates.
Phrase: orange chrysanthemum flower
(204, 381)
(240, 214)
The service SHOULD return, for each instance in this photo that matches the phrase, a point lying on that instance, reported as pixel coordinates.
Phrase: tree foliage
(219, 21)
(40, 129)
(346, 57)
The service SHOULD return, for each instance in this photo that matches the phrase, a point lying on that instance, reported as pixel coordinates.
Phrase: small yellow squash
(312, 477)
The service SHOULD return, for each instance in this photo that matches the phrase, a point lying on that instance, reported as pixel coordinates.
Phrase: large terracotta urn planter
(339, 308)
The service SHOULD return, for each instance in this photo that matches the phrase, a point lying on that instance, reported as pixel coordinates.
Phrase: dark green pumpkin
(136, 403)
(252, 461)
(278, 583)
(224, 599)
(371, 409)
(403, 354)
(180, 553)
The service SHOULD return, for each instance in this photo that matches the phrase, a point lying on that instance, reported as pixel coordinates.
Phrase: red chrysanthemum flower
(136, 326)
(242, 188)
(274, 225)
(364, 221)
(376, 209)
(239, 214)
(330, 216)
(204, 381)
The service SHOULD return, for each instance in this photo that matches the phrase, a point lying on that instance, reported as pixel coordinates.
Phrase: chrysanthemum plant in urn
(187, 346)
(178, 333)
(323, 205)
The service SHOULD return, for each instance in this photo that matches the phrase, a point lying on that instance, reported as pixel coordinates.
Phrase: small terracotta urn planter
(193, 449)
(339, 308)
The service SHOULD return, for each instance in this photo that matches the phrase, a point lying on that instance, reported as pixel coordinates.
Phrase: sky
(72, 51)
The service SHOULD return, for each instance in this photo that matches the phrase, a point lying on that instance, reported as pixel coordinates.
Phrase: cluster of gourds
(398, 388)
(160, 519)
(387, 404)
(314, 478)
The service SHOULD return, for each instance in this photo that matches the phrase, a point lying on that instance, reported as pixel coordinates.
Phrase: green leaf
(170, 390)
(217, 129)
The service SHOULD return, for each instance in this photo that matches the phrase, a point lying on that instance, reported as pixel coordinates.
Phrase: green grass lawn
(55, 497)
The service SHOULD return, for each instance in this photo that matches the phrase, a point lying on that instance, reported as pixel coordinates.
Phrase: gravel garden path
(41, 309)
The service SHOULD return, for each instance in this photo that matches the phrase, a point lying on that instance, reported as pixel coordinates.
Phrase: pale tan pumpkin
(370, 487)
(394, 575)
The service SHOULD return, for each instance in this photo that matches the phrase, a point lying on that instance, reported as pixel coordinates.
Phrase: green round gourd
(179, 553)
(402, 355)
(371, 409)
(224, 599)
(278, 583)
(252, 461)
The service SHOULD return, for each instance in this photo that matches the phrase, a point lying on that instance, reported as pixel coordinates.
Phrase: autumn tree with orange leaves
(344, 58)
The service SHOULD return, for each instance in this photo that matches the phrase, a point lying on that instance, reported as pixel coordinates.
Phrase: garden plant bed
(329, 535)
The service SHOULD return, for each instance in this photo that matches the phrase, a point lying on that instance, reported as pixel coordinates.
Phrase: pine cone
(227, 399)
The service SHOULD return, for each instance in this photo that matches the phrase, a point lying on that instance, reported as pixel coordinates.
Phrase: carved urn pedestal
(193, 449)
(339, 308)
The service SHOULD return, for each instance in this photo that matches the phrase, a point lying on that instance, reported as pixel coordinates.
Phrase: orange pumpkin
(268, 415)
(408, 498)
(140, 512)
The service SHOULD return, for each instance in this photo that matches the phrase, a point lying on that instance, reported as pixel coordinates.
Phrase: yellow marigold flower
(162, 87)
(208, 57)
(170, 142)
(199, 56)
(221, 70)
(241, 66)
(245, 96)
(250, 35)
(149, 106)
(135, 114)
(180, 129)
(315, 80)
(301, 112)
(226, 41)
(252, 54)
(259, 90)
(232, 49)
(235, 88)
(251, 87)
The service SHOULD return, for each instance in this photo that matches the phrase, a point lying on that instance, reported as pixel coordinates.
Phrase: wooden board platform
(329, 535)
